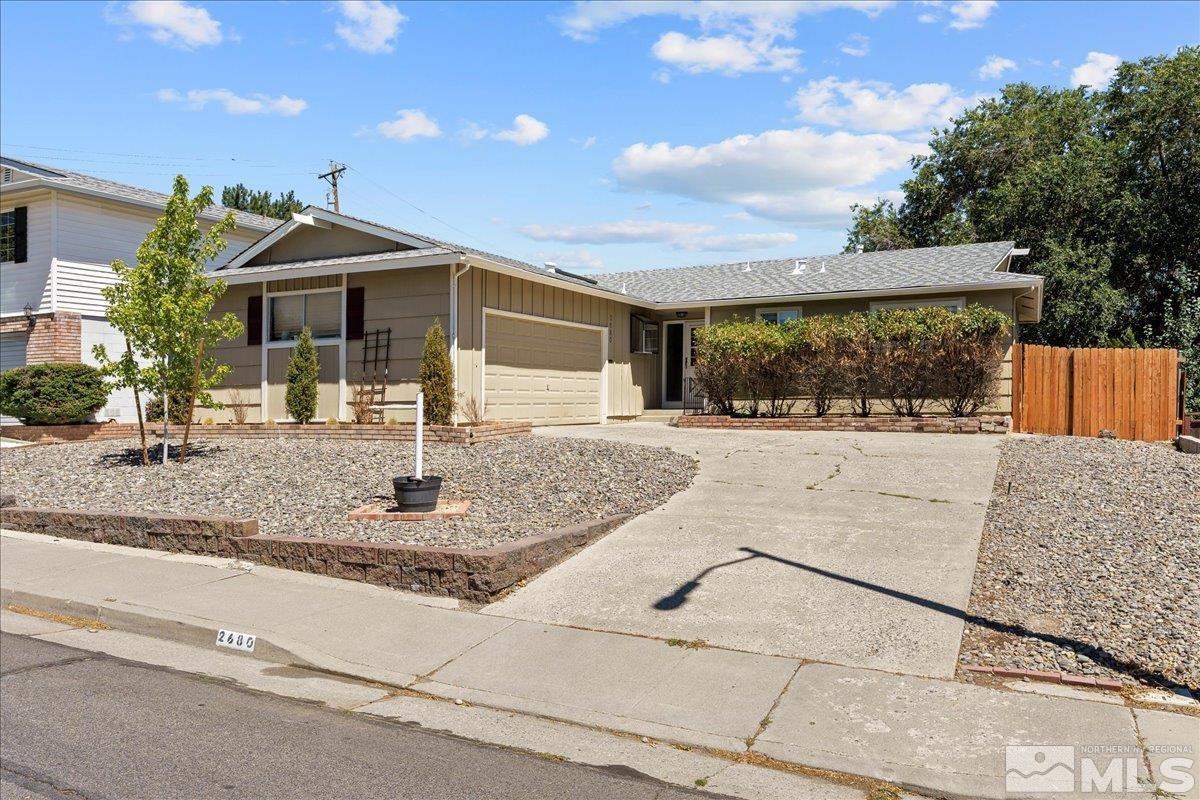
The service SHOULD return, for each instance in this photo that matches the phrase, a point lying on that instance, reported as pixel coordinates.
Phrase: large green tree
(1104, 188)
(260, 202)
(163, 306)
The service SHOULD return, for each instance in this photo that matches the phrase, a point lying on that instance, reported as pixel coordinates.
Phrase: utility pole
(335, 172)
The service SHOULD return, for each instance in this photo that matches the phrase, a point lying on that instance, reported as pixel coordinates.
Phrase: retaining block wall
(982, 424)
(479, 576)
(403, 432)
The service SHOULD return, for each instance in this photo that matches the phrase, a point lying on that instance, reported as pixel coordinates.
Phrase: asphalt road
(81, 725)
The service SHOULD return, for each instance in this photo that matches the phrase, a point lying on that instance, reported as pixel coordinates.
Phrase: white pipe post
(420, 432)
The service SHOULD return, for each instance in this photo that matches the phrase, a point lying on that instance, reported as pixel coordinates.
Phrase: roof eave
(1027, 282)
(254, 275)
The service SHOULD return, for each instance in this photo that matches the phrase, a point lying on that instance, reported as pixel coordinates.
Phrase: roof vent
(551, 266)
(858, 248)
(8, 175)
(822, 267)
(623, 291)
(799, 268)
(747, 267)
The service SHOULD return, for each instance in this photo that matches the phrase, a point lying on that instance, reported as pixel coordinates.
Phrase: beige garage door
(540, 371)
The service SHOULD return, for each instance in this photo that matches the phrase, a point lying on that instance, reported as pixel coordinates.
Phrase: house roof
(70, 181)
(972, 265)
(410, 237)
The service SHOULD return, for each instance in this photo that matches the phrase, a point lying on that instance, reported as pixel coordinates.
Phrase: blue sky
(597, 135)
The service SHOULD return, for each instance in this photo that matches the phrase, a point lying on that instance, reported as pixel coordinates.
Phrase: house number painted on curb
(238, 641)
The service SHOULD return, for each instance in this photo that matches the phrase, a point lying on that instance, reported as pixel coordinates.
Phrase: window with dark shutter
(355, 302)
(14, 241)
(254, 312)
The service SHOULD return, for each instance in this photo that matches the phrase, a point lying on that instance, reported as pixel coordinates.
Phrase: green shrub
(717, 367)
(907, 340)
(302, 370)
(437, 377)
(52, 394)
(858, 359)
(816, 347)
(966, 364)
(178, 404)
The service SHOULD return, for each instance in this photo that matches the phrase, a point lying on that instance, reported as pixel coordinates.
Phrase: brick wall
(52, 337)
(981, 424)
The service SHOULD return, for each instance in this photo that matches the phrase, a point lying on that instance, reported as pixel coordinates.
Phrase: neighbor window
(8, 236)
(955, 304)
(321, 312)
(778, 316)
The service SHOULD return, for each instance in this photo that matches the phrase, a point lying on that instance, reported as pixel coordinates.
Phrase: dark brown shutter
(254, 319)
(20, 237)
(355, 300)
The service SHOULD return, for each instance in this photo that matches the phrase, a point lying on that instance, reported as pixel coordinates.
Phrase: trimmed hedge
(52, 394)
(902, 358)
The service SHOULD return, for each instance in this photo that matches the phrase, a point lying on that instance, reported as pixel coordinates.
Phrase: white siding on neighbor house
(94, 231)
(28, 282)
(120, 405)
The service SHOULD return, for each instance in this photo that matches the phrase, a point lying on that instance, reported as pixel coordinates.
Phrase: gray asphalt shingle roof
(843, 272)
(340, 261)
(69, 179)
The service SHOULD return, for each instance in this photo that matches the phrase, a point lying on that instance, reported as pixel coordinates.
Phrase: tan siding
(303, 284)
(246, 376)
(308, 242)
(327, 382)
(632, 379)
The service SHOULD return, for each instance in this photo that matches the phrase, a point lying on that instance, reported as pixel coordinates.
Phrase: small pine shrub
(301, 397)
(178, 405)
(52, 394)
(437, 377)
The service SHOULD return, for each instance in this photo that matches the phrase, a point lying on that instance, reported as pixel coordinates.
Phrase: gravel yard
(1091, 563)
(521, 486)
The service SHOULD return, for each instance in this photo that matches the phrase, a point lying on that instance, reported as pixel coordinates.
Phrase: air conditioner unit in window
(643, 335)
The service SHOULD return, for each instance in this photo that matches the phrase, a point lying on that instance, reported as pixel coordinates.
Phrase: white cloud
(409, 124)
(369, 25)
(927, 18)
(525, 130)
(588, 143)
(738, 215)
(234, 103)
(876, 106)
(581, 259)
(971, 13)
(1096, 71)
(856, 45)
(172, 22)
(737, 242)
(623, 232)
(995, 66)
(798, 175)
(586, 19)
(734, 37)
(729, 54)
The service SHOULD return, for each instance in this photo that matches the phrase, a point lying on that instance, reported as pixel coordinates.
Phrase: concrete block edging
(478, 576)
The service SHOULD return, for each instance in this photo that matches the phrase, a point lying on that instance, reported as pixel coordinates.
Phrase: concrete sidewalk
(933, 736)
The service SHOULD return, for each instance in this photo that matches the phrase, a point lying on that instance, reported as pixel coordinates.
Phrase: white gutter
(455, 274)
(254, 275)
(1031, 282)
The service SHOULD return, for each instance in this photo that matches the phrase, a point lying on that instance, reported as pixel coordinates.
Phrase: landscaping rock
(1090, 562)
(518, 487)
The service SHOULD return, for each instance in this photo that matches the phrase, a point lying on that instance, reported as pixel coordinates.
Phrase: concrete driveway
(857, 549)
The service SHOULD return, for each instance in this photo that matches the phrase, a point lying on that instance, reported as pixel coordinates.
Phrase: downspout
(455, 274)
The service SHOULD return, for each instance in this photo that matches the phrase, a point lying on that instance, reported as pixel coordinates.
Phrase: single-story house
(537, 342)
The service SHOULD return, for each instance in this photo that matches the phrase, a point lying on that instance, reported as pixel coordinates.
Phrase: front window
(321, 312)
(954, 304)
(778, 316)
(8, 236)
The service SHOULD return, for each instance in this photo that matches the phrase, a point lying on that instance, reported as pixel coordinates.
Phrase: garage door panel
(541, 371)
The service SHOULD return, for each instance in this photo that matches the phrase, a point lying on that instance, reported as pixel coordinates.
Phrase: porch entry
(680, 389)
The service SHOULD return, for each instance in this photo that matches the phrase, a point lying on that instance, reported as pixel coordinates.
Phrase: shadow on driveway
(679, 597)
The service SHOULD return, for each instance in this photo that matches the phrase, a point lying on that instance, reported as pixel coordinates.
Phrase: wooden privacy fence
(1065, 391)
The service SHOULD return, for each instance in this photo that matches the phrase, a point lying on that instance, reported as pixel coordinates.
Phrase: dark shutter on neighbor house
(20, 234)
(355, 300)
(254, 319)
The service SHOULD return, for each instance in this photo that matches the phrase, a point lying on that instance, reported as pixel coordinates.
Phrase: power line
(414, 206)
(138, 155)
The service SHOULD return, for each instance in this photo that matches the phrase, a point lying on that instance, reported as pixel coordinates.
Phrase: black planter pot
(413, 494)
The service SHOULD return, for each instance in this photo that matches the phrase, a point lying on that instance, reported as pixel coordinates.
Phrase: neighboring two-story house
(59, 231)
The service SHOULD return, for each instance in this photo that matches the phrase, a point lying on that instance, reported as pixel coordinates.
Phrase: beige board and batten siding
(246, 360)
(631, 379)
(999, 299)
